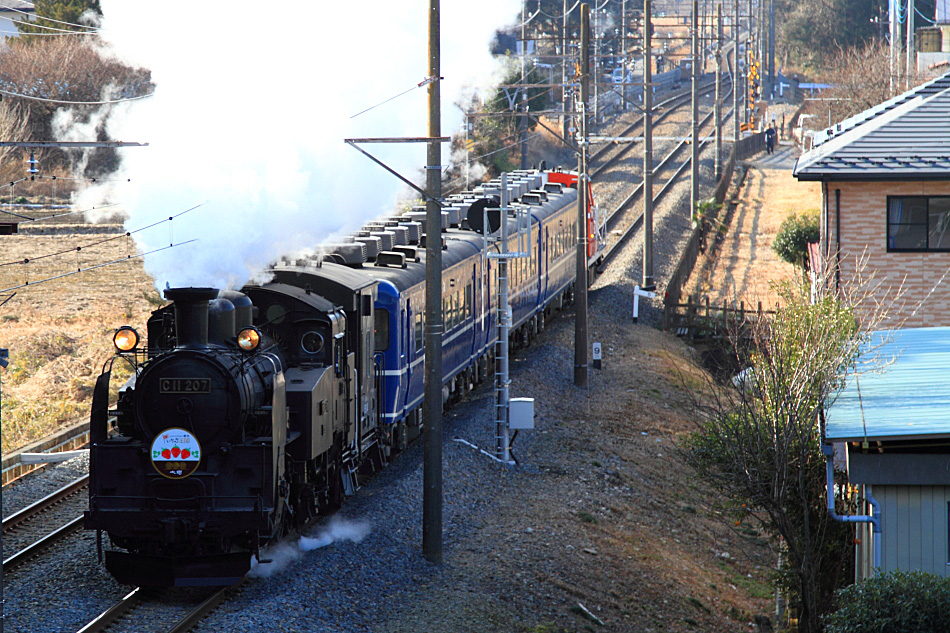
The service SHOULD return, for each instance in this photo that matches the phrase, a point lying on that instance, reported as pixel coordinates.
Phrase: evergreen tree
(55, 16)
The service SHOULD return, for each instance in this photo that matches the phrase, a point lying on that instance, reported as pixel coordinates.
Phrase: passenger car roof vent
(408, 251)
(415, 231)
(391, 259)
(352, 254)
(373, 246)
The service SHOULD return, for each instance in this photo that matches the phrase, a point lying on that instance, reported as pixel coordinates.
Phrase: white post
(502, 448)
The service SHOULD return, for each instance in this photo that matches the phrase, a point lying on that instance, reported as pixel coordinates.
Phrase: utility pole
(648, 282)
(564, 125)
(694, 135)
(502, 446)
(623, 54)
(892, 23)
(750, 55)
(432, 407)
(771, 47)
(4, 355)
(596, 106)
(580, 281)
(911, 66)
(718, 104)
(523, 90)
(565, 95)
(736, 84)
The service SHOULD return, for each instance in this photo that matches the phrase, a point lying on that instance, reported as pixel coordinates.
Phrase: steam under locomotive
(248, 413)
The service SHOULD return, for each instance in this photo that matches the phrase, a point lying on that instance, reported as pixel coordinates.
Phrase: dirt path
(744, 265)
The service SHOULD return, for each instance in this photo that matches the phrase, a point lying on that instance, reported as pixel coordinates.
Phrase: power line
(58, 215)
(27, 260)
(82, 26)
(424, 82)
(83, 270)
(65, 33)
(44, 26)
(22, 96)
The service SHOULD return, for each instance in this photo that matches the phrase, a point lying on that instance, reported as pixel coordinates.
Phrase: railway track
(621, 225)
(165, 610)
(608, 155)
(44, 523)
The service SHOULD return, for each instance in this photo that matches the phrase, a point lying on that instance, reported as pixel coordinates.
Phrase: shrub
(896, 602)
(796, 232)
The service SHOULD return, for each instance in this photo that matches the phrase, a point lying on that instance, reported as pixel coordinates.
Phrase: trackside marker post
(637, 293)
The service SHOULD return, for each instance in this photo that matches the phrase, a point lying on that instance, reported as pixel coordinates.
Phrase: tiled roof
(906, 137)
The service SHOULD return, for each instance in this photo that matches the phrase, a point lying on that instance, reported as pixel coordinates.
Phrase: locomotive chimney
(191, 314)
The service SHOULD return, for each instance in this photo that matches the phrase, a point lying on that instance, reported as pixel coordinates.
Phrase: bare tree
(759, 439)
(14, 126)
(64, 69)
(860, 80)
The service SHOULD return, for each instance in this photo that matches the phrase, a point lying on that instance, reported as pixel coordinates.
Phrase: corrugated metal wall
(914, 526)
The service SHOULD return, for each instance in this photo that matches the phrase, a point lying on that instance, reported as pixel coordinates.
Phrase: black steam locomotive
(248, 413)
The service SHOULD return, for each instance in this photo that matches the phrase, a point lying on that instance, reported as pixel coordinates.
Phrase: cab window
(381, 339)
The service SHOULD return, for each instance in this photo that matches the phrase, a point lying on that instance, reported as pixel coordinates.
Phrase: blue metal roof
(900, 389)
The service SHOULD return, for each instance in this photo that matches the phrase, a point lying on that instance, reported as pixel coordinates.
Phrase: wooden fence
(699, 321)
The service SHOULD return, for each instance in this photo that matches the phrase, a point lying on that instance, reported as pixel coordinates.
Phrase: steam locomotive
(249, 413)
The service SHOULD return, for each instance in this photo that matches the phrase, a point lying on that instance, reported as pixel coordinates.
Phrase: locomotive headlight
(125, 339)
(249, 339)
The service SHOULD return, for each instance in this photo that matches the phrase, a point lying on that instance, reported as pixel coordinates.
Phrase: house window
(918, 223)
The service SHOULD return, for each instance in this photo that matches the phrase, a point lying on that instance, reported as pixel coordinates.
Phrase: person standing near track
(770, 138)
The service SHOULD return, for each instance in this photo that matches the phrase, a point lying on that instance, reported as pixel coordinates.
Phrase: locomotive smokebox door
(175, 453)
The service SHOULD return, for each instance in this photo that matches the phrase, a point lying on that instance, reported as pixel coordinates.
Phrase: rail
(21, 517)
(137, 598)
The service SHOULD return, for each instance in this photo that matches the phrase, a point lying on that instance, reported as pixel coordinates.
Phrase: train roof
(530, 189)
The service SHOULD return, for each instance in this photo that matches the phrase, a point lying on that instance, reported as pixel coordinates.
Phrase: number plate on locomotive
(184, 385)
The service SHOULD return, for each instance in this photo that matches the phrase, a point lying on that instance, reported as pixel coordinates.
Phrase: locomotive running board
(218, 570)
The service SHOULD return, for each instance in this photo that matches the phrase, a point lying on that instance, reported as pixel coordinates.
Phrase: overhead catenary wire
(559, 17)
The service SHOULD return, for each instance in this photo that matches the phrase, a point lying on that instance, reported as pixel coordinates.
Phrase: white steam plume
(249, 115)
(285, 553)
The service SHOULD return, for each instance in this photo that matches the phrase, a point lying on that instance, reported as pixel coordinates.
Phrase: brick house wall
(923, 277)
